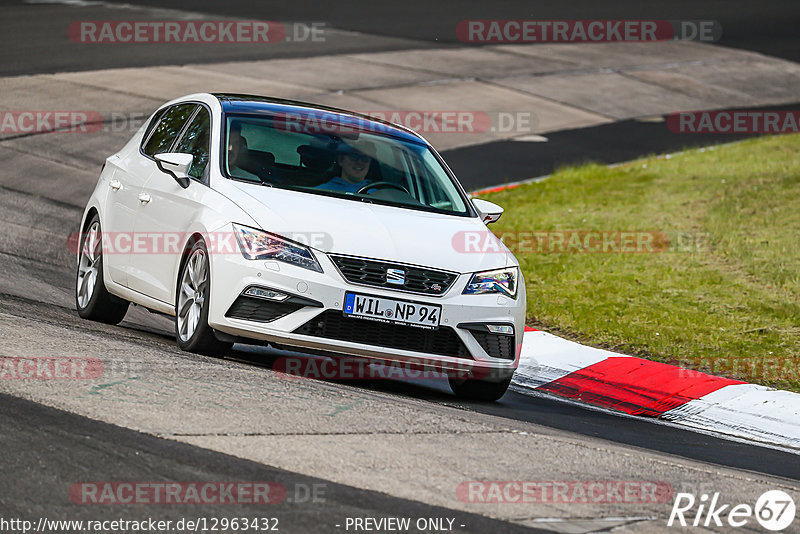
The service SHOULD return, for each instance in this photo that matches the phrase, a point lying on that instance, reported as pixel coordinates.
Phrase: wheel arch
(90, 213)
(77, 240)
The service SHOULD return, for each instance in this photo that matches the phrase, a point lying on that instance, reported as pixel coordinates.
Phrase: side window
(168, 129)
(195, 142)
(156, 117)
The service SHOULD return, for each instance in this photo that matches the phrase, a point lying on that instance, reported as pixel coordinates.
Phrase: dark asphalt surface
(47, 450)
(502, 162)
(35, 39)
(549, 412)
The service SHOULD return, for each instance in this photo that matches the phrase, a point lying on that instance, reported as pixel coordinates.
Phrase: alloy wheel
(192, 294)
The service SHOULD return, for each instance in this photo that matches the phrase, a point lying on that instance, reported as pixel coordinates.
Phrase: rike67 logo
(774, 510)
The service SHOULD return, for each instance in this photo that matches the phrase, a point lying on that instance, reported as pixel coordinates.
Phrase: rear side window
(168, 128)
(195, 142)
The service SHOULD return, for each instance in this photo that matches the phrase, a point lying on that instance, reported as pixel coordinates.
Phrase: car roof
(254, 105)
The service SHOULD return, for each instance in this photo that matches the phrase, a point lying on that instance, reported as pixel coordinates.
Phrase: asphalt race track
(375, 449)
(379, 25)
(117, 453)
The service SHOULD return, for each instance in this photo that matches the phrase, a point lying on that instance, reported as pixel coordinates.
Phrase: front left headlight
(501, 281)
(259, 245)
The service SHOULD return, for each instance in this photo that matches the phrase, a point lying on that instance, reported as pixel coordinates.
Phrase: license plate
(392, 311)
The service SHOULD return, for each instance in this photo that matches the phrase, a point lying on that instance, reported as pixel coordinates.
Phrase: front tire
(479, 390)
(92, 299)
(191, 308)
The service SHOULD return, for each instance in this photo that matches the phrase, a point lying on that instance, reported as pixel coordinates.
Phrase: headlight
(258, 245)
(503, 281)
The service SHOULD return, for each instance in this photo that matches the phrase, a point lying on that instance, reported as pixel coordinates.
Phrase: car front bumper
(232, 274)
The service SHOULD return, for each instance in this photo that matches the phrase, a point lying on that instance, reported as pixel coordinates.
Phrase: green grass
(727, 302)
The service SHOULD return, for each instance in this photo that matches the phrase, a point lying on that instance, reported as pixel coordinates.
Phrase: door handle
(116, 185)
(144, 198)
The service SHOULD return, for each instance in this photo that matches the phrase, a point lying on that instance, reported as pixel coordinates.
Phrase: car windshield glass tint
(338, 158)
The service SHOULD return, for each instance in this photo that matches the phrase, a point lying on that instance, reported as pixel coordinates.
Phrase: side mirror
(488, 211)
(176, 165)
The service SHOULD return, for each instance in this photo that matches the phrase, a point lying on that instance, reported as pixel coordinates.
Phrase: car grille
(374, 273)
(496, 345)
(260, 310)
(332, 324)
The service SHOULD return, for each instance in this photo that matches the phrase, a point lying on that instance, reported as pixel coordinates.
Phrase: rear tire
(479, 390)
(191, 306)
(92, 299)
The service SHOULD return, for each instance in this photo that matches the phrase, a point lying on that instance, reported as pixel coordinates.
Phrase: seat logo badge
(395, 276)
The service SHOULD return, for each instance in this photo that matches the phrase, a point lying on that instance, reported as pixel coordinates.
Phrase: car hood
(341, 226)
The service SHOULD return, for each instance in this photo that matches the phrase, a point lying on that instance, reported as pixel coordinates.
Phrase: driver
(354, 159)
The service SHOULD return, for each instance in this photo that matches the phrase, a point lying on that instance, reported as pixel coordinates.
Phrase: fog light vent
(501, 329)
(263, 293)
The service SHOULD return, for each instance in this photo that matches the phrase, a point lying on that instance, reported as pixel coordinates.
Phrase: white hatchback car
(252, 219)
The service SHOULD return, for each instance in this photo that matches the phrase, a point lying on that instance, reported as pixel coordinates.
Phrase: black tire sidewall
(102, 306)
(86, 312)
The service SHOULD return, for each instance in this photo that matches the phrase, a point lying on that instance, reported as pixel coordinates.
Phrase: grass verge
(713, 283)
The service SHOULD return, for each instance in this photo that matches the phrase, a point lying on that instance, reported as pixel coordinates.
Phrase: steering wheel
(382, 185)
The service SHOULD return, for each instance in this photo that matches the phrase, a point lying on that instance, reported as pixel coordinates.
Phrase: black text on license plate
(392, 311)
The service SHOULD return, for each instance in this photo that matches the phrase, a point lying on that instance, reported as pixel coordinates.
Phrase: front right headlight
(500, 281)
(259, 245)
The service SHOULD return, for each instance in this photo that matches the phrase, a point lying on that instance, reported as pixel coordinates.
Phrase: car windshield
(346, 161)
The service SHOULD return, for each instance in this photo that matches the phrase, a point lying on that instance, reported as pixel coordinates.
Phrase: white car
(252, 219)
